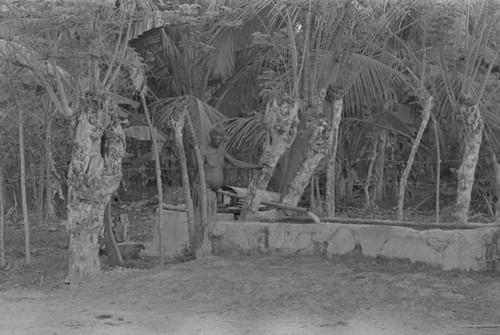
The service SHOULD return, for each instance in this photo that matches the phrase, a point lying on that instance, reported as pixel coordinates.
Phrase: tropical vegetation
(377, 106)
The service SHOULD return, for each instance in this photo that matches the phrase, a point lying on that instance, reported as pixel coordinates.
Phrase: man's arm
(240, 164)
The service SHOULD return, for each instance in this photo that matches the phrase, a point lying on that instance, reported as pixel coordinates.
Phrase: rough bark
(281, 122)
(496, 171)
(177, 123)
(113, 253)
(318, 131)
(473, 128)
(203, 220)
(95, 173)
(404, 178)
(338, 105)
(2, 220)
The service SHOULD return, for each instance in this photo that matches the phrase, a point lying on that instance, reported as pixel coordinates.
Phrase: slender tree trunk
(40, 188)
(318, 131)
(94, 175)
(378, 193)
(49, 162)
(369, 204)
(156, 154)
(177, 123)
(281, 122)
(404, 179)
(2, 219)
(474, 125)
(23, 185)
(438, 167)
(338, 105)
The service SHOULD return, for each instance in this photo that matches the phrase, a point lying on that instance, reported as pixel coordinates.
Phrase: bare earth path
(262, 295)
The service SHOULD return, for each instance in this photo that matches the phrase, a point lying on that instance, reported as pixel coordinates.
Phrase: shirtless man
(214, 154)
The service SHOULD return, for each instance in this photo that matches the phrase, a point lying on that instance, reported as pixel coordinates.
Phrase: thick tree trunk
(281, 122)
(338, 105)
(496, 171)
(177, 123)
(404, 179)
(113, 253)
(2, 219)
(94, 175)
(318, 131)
(205, 204)
(301, 179)
(473, 124)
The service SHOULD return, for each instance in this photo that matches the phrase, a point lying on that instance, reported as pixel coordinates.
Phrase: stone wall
(471, 249)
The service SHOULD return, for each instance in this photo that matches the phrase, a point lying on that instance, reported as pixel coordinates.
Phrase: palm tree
(453, 74)
(319, 51)
(465, 67)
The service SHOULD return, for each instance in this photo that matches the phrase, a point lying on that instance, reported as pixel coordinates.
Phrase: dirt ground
(239, 294)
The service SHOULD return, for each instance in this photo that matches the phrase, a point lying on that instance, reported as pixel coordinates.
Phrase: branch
(60, 88)
(118, 67)
(117, 48)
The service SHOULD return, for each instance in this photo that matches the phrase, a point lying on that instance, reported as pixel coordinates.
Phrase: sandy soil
(262, 295)
(348, 295)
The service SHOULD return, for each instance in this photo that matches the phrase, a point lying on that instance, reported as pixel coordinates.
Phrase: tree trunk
(23, 185)
(177, 123)
(49, 165)
(40, 188)
(473, 124)
(159, 186)
(113, 253)
(2, 219)
(496, 171)
(438, 166)
(404, 179)
(369, 204)
(318, 131)
(203, 221)
(281, 122)
(378, 194)
(94, 175)
(338, 105)
(301, 179)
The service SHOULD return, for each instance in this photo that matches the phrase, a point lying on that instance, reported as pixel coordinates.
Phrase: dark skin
(214, 155)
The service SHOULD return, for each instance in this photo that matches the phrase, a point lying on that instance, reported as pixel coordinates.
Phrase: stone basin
(475, 249)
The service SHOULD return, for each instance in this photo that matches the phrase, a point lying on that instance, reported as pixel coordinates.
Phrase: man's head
(216, 135)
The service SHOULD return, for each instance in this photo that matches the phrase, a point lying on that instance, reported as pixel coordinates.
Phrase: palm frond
(248, 133)
(374, 83)
(202, 115)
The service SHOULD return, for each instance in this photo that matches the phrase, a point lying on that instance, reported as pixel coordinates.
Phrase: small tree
(90, 41)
